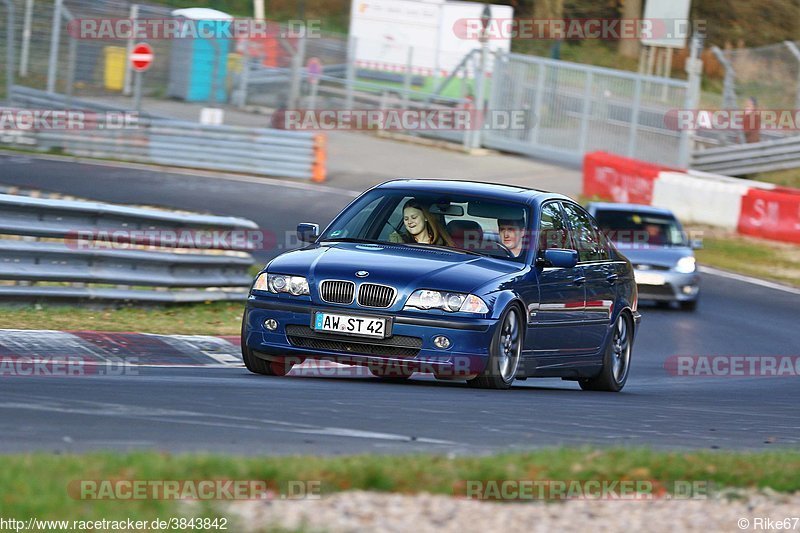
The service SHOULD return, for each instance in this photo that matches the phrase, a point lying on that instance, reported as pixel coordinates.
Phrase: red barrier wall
(619, 179)
(771, 214)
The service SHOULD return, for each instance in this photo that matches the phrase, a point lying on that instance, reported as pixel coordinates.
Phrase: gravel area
(422, 513)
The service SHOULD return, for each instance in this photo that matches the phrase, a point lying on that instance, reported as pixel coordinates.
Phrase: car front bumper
(667, 285)
(410, 345)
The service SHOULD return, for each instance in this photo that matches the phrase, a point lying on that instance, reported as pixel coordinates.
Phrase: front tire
(617, 359)
(505, 352)
(257, 365)
(690, 305)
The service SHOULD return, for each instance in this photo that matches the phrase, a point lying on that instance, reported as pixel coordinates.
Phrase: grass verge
(213, 318)
(43, 485)
(760, 258)
(784, 178)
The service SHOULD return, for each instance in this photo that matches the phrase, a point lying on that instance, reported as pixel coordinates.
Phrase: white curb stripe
(748, 279)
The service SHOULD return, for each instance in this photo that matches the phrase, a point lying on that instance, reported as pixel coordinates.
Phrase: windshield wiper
(354, 239)
(446, 249)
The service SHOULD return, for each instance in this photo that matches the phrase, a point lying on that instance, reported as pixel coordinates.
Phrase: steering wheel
(502, 247)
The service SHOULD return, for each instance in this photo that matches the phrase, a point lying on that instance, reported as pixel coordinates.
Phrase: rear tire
(617, 359)
(505, 352)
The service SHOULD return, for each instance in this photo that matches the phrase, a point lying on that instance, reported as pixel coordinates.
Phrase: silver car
(654, 241)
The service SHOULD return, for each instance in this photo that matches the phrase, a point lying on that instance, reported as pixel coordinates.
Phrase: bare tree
(631, 9)
(548, 9)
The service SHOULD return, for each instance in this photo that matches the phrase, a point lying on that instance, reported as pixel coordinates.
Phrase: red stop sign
(141, 57)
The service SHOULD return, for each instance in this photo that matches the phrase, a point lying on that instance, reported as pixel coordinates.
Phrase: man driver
(511, 234)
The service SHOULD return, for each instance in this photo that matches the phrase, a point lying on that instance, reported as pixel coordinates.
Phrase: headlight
(686, 265)
(277, 283)
(447, 301)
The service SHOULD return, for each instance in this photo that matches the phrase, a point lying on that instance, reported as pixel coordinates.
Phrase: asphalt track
(230, 410)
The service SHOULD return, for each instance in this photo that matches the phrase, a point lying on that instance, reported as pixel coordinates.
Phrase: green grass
(755, 257)
(785, 178)
(213, 318)
(37, 484)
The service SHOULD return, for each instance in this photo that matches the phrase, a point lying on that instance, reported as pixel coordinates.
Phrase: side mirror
(696, 244)
(307, 232)
(557, 258)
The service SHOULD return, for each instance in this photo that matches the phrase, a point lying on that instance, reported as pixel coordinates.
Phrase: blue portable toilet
(199, 66)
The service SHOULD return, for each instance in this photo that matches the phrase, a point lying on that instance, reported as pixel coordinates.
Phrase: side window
(585, 234)
(355, 227)
(552, 228)
(395, 221)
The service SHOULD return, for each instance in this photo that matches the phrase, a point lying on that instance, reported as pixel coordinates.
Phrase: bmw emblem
(362, 273)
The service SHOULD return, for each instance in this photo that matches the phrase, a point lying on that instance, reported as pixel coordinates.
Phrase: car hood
(404, 268)
(662, 256)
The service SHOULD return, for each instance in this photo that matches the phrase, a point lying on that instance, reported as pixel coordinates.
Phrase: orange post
(318, 167)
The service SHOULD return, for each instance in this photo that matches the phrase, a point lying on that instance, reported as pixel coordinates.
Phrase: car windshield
(462, 224)
(631, 227)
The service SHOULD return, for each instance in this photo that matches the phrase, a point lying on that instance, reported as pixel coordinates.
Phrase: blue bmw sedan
(468, 281)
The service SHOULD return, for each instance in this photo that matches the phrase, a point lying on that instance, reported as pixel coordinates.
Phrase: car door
(601, 274)
(560, 310)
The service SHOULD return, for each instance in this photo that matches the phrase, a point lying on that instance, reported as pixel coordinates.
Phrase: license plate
(362, 326)
(649, 278)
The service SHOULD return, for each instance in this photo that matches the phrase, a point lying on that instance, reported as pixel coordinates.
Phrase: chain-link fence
(771, 74)
(50, 55)
(570, 109)
(574, 109)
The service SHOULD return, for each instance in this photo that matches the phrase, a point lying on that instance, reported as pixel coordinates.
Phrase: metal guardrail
(87, 250)
(30, 98)
(260, 151)
(741, 159)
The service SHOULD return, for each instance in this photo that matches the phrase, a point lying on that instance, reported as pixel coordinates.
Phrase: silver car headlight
(447, 301)
(686, 265)
(278, 283)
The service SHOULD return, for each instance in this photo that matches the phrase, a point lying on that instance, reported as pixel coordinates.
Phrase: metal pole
(215, 71)
(634, 131)
(729, 83)
(350, 73)
(694, 68)
(407, 77)
(796, 53)
(71, 68)
(480, 78)
(9, 48)
(137, 92)
(258, 9)
(667, 74)
(240, 96)
(586, 111)
(55, 37)
(538, 103)
(486, 17)
(126, 85)
(728, 90)
(297, 67)
(26, 39)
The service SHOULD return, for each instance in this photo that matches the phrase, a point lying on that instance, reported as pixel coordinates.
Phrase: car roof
(632, 208)
(493, 190)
